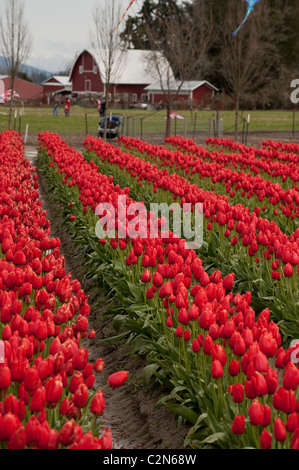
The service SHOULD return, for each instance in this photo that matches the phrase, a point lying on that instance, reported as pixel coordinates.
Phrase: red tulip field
(216, 323)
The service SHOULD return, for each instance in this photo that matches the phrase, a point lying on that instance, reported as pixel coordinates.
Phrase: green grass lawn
(40, 119)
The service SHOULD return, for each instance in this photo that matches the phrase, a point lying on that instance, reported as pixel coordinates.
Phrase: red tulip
(117, 379)
(291, 377)
(9, 423)
(146, 276)
(81, 396)
(5, 377)
(217, 369)
(38, 400)
(54, 388)
(99, 365)
(228, 281)
(237, 392)
(68, 433)
(292, 422)
(279, 430)
(238, 426)
(266, 440)
(98, 403)
(234, 368)
(18, 439)
(256, 413)
(288, 270)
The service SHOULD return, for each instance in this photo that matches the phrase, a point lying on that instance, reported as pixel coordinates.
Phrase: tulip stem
(93, 424)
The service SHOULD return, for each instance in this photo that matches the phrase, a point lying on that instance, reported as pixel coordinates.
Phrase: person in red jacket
(67, 107)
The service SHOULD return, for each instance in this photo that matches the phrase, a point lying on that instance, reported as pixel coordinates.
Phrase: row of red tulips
(256, 161)
(201, 339)
(289, 148)
(235, 239)
(47, 383)
(252, 191)
(287, 153)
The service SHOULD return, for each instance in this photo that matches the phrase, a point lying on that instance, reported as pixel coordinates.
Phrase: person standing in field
(99, 106)
(103, 108)
(67, 107)
(56, 106)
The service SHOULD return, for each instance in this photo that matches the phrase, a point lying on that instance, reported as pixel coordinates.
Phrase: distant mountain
(33, 73)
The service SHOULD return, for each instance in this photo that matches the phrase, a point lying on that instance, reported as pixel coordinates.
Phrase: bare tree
(184, 45)
(247, 58)
(16, 41)
(107, 45)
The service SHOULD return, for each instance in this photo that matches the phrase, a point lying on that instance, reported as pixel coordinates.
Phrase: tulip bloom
(266, 440)
(117, 379)
(238, 426)
(279, 430)
(54, 388)
(291, 377)
(237, 392)
(98, 403)
(5, 377)
(38, 400)
(256, 413)
(228, 281)
(216, 369)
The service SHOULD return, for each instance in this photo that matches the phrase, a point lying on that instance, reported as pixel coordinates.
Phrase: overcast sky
(60, 29)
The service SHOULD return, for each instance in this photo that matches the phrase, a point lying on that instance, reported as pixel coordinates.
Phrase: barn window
(134, 97)
(81, 69)
(144, 97)
(95, 69)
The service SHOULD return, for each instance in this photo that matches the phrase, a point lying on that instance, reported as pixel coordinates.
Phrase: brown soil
(131, 412)
(254, 138)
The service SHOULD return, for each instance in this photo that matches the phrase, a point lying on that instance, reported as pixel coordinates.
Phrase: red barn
(132, 78)
(195, 93)
(55, 84)
(27, 91)
(85, 75)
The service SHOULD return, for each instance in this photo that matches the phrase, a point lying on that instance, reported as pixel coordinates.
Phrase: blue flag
(251, 4)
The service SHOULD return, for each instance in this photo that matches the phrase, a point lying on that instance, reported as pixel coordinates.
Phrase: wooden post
(15, 120)
(20, 119)
(141, 128)
(248, 121)
(185, 127)
(122, 125)
(194, 125)
(133, 127)
(26, 133)
(217, 123)
(128, 126)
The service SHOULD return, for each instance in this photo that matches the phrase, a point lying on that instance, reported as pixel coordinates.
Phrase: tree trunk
(168, 121)
(237, 116)
(11, 103)
(105, 113)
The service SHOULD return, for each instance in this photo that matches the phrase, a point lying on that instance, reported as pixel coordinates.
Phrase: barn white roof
(134, 67)
(173, 85)
(64, 80)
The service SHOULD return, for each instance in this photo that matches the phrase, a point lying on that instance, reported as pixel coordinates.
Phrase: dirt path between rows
(130, 413)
